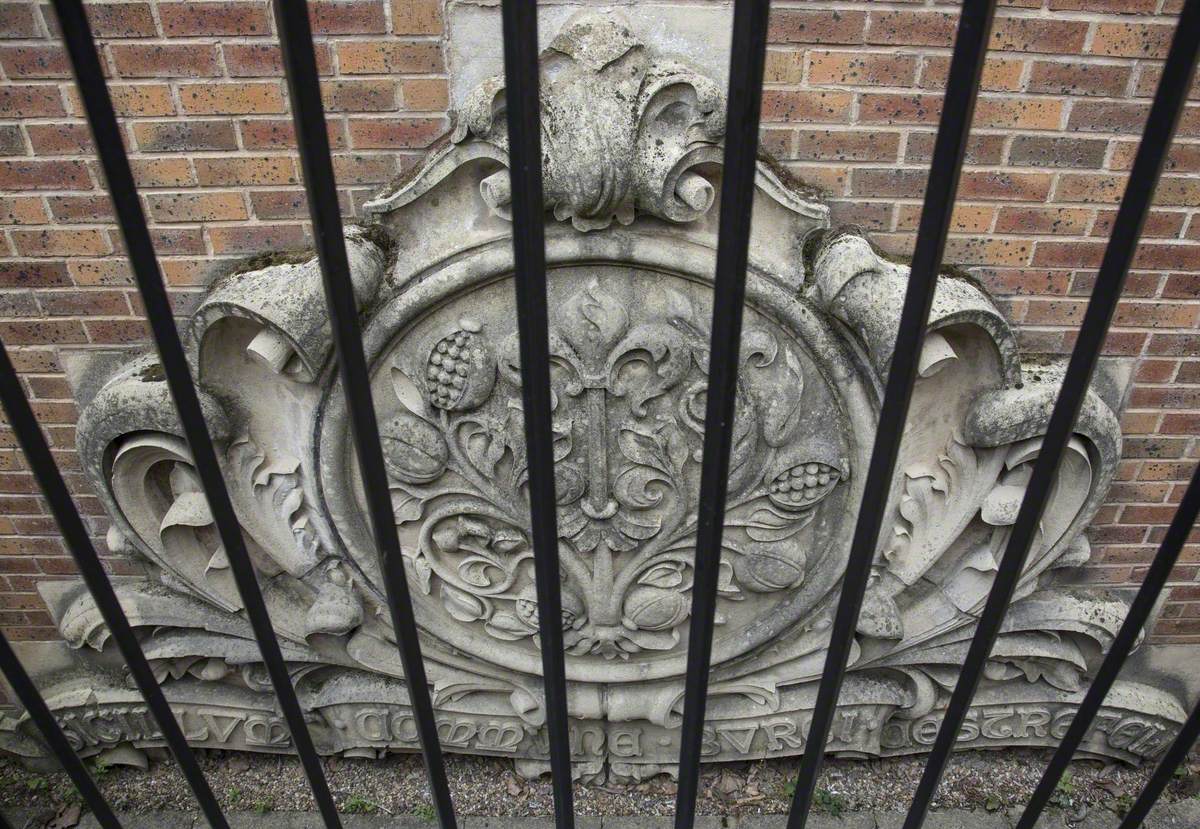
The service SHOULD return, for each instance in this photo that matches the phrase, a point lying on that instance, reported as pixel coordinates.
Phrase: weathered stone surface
(632, 170)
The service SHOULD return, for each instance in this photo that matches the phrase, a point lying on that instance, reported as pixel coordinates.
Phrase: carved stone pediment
(632, 163)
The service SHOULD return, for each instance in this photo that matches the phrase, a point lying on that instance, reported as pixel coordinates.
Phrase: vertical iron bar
(1139, 612)
(41, 461)
(295, 36)
(54, 736)
(966, 67)
(520, 37)
(1135, 203)
(748, 49)
(1175, 754)
(93, 90)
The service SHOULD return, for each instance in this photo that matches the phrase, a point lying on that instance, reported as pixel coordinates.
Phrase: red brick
(256, 60)
(184, 136)
(246, 170)
(171, 60)
(981, 148)
(33, 274)
(162, 172)
(279, 204)
(141, 100)
(359, 96)
(237, 19)
(895, 108)
(1024, 113)
(77, 303)
(44, 175)
(118, 20)
(966, 218)
(1048, 254)
(279, 133)
(265, 98)
(1131, 40)
(1107, 116)
(406, 133)
(975, 184)
(841, 145)
(912, 28)
(41, 332)
(1054, 221)
(1089, 188)
(257, 238)
(784, 66)
(17, 20)
(890, 182)
(1033, 34)
(196, 207)
(60, 242)
(60, 138)
(1159, 224)
(22, 210)
(999, 74)
(1175, 345)
(92, 208)
(1182, 286)
(365, 169)
(805, 106)
(1181, 158)
(860, 68)
(370, 57)
(30, 101)
(1075, 78)
(425, 94)
(416, 17)
(814, 26)
(35, 61)
(347, 17)
(12, 142)
(1047, 151)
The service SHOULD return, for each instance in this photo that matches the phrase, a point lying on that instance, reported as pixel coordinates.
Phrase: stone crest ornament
(632, 160)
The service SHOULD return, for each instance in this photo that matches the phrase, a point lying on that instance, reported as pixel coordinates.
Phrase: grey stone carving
(632, 170)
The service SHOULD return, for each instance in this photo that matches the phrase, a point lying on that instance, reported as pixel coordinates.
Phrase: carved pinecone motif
(461, 369)
(802, 485)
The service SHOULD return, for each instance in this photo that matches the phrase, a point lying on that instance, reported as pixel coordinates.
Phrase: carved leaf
(662, 353)
(414, 449)
(644, 448)
(190, 509)
(507, 626)
(668, 574)
(632, 487)
(462, 605)
(405, 506)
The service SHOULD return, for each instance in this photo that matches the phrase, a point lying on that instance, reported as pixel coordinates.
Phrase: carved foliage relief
(629, 356)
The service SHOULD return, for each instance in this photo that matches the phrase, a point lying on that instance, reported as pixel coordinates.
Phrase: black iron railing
(745, 92)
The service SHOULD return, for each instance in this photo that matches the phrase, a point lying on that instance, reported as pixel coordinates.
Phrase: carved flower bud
(413, 448)
(446, 538)
(526, 608)
(802, 485)
(654, 608)
(461, 369)
(767, 568)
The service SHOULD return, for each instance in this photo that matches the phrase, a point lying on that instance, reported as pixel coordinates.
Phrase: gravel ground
(485, 786)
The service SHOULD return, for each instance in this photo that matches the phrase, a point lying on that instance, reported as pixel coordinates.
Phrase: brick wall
(853, 97)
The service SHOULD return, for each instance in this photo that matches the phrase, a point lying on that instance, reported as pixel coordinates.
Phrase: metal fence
(750, 20)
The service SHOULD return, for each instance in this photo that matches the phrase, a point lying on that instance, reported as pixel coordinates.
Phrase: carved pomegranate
(461, 369)
(802, 485)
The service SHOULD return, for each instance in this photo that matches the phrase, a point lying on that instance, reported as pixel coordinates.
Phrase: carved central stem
(597, 504)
